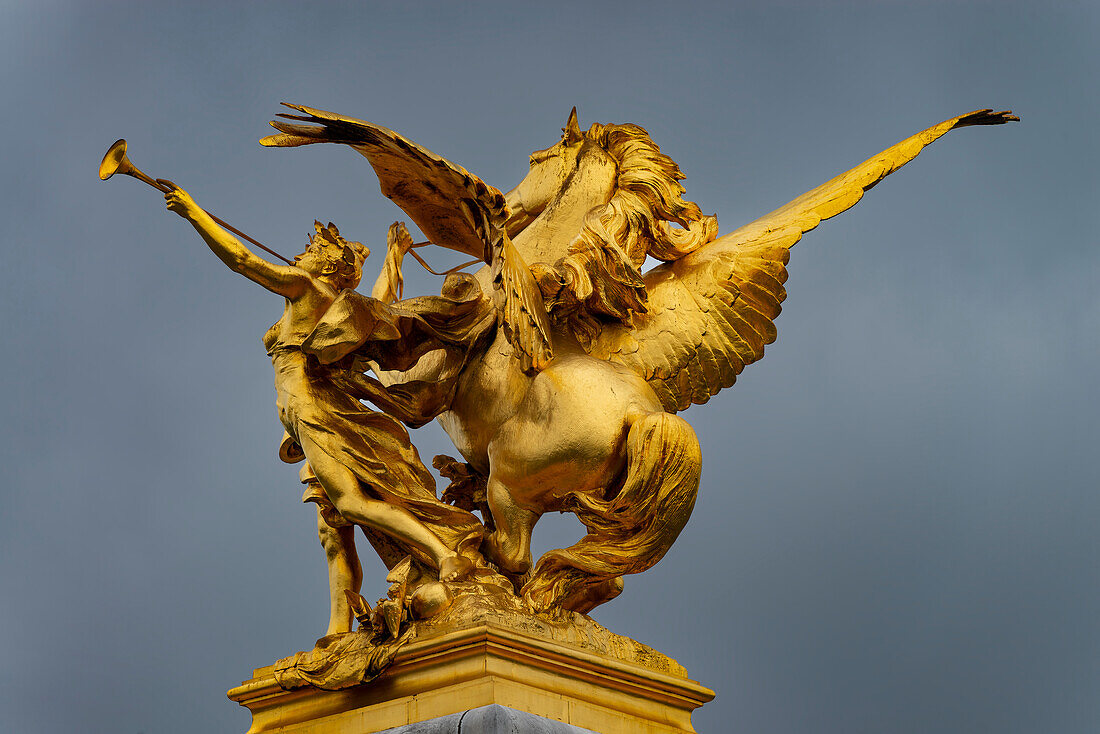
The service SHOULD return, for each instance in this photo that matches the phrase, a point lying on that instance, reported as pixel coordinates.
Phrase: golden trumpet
(115, 161)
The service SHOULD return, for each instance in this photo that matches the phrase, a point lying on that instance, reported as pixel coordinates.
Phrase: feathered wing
(524, 317)
(712, 312)
(452, 207)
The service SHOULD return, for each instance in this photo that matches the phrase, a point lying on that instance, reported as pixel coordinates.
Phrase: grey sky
(896, 528)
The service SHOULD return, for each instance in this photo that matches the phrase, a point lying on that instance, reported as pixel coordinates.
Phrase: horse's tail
(631, 531)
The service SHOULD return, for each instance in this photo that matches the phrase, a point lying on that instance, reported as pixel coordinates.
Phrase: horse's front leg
(509, 545)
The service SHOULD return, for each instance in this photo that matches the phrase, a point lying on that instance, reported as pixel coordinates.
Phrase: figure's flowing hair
(600, 279)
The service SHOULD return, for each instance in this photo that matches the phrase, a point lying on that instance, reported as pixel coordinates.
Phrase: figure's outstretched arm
(284, 280)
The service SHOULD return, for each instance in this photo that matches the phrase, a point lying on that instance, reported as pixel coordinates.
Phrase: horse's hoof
(513, 564)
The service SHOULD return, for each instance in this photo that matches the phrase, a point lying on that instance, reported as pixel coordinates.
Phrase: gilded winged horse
(568, 401)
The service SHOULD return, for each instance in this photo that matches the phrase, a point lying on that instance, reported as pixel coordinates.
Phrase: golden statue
(557, 368)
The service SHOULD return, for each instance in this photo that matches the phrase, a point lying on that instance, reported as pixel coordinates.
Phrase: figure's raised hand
(179, 201)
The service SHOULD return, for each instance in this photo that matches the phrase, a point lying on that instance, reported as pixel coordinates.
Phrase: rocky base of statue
(483, 649)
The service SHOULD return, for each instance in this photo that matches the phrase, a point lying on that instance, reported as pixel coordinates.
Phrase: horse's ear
(572, 129)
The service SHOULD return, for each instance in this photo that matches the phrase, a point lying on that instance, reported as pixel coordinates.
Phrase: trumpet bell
(115, 160)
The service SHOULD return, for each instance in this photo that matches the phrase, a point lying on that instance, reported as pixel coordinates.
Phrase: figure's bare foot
(508, 553)
(455, 568)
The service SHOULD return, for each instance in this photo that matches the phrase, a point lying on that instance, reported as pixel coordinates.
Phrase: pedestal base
(493, 719)
(482, 665)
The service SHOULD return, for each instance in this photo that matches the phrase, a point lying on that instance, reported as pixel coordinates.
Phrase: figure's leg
(344, 572)
(346, 494)
(509, 545)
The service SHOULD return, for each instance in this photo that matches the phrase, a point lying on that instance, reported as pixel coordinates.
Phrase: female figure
(369, 470)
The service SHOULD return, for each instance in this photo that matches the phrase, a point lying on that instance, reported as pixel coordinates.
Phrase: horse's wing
(712, 312)
(452, 207)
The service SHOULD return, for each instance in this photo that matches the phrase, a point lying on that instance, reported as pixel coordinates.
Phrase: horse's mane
(648, 196)
(600, 279)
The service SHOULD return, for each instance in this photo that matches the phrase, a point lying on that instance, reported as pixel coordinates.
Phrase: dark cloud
(896, 526)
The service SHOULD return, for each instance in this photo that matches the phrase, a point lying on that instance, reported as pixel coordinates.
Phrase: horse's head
(618, 167)
(589, 212)
(552, 170)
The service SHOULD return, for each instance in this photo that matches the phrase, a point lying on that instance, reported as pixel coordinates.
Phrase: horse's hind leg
(509, 545)
(587, 596)
(630, 532)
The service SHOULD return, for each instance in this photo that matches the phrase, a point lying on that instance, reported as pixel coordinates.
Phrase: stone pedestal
(580, 675)
(493, 719)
